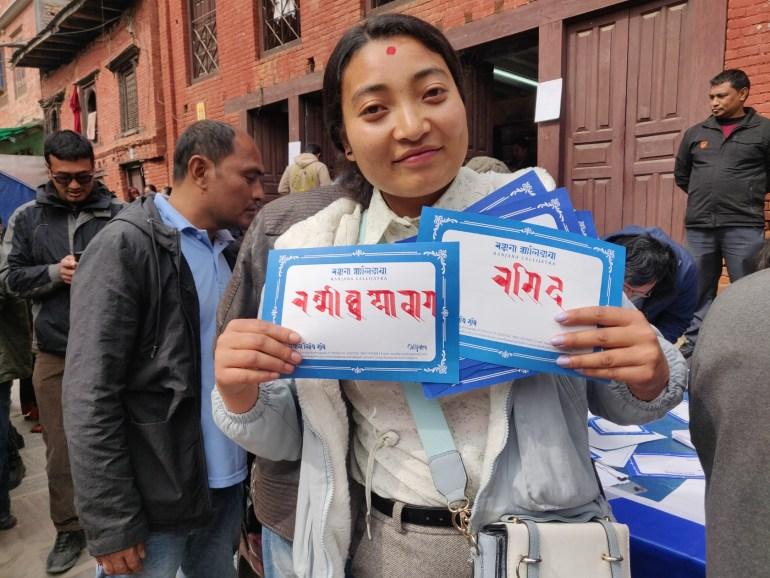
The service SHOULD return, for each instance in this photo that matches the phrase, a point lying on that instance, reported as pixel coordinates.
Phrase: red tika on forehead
(390, 50)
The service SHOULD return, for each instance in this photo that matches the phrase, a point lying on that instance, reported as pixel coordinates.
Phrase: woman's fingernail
(563, 361)
(288, 368)
(561, 316)
(558, 340)
(296, 357)
(294, 337)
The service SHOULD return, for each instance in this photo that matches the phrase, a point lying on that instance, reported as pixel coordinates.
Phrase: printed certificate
(376, 312)
(516, 277)
(526, 186)
(552, 209)
(585, 220)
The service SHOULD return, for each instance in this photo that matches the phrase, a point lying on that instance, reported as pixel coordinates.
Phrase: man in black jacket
(40, 252)
(723, 165)
(158, 486)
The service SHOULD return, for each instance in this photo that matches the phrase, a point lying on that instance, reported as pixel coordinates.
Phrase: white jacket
(539, 421)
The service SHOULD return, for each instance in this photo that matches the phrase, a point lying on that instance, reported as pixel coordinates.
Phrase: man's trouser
(47, 379)
(737, 245)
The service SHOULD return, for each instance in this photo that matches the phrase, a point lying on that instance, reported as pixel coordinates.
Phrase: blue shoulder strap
(445, 462)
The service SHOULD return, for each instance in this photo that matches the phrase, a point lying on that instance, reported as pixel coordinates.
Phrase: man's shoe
(7, 522)
(65, 551)
(16, 471)
(15, 438)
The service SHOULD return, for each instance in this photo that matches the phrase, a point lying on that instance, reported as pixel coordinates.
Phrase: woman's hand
(631, 352)
(250, 352)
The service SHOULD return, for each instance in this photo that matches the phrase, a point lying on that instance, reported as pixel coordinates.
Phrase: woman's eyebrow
(380, 87)
(421, 74)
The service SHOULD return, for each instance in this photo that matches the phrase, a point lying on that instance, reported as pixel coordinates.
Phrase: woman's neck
(411, 206)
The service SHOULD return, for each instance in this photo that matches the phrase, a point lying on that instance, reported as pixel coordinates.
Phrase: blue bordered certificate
(552, 209)
(525, 186)
(516, 277)
(376, 312)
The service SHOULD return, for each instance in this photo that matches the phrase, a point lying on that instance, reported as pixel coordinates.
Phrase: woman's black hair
(648, 260)
(375, 28)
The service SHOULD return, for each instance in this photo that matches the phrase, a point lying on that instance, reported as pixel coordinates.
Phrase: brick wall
(748, 48)
(112, 148)
(21, 109)
(241, 71)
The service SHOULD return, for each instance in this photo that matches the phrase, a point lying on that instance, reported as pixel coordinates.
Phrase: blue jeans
(276, 555)
(737, 245)
(5, 415)
(200, 553)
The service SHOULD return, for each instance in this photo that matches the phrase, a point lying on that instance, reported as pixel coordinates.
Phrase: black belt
(420, 515)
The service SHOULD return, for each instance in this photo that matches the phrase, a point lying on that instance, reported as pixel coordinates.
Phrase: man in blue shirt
(158, 486)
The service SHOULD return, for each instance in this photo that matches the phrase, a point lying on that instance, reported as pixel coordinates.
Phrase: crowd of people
(159, 389)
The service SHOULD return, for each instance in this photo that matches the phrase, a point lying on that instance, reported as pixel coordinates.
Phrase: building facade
(101, 74)
(635, 75)
(21, 118)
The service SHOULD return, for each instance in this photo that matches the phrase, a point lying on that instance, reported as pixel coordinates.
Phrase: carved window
(280, 23)
(19, 81)
(52, 112)
(88, 120)
(124, 69)
(372, 4)
(204, 50)
(2, 71)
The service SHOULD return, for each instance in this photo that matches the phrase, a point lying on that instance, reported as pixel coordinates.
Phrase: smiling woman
(394, 107)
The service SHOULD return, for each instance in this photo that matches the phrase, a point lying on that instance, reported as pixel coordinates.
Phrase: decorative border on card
(438, 256)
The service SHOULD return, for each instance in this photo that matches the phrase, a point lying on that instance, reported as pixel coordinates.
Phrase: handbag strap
(445, 462)
(532, 559)
(615, 556)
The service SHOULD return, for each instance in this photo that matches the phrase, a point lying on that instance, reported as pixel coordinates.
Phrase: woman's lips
(418, 157)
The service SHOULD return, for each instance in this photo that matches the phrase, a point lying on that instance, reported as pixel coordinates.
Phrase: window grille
(19, 81)
(52, 120)
(280, 23)
(2, 71)
(129, 99)
(203, 38)
(372, 4)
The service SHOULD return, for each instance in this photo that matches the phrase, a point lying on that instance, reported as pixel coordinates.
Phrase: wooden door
(630, 77)
(597, 62)
(312, 128)
(270, 129)
(659, 81)
(478, 84)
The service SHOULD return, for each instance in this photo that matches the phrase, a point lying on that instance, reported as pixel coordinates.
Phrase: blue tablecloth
(662, 545)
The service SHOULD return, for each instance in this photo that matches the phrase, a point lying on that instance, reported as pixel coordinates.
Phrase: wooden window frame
(52, 106)
(370, 9)
(206, 19)
(19, 81)
(86, 86)
(3, 79)
(122, 66)
(265, 30)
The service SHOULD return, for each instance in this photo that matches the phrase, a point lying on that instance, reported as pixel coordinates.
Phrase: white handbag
(521, 548)
(516, 547)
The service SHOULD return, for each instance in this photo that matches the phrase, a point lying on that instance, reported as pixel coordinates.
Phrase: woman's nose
(411, 124)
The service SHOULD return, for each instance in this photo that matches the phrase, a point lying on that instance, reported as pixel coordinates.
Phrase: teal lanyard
(445, 463)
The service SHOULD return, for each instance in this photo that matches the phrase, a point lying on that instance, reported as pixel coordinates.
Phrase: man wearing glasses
(661, 278)
(41, 247)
